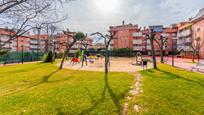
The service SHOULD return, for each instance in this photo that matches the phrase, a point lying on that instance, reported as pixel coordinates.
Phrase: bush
(123, 52)
(60, 55)
(48, 57)
(3, 52)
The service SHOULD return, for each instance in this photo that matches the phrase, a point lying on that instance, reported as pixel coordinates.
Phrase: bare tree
(196, 46)
(84, 56)
(161, 42)
(77, 37)
(23, 15)
(107, 40)
(8, 4)
(151, 36)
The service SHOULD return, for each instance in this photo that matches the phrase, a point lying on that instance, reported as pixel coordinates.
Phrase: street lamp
(173, 50)
(22, 54)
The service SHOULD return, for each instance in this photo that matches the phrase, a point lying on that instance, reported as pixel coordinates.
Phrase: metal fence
(19, 57)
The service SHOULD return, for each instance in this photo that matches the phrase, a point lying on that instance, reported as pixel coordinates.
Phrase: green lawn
(172, 91)
(40, 89)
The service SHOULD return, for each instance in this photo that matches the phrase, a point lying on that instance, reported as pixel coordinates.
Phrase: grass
(39, 88)
(169, 91)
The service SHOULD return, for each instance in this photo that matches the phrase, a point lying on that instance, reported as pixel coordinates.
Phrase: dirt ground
(116, 65)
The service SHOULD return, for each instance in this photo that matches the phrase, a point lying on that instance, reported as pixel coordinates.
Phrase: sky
(97, 15)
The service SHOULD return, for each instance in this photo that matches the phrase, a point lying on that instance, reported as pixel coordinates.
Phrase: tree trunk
(162, 55)
(106, 61)
(198, 54)
(64, 57)
(193, 57)
(153, 54)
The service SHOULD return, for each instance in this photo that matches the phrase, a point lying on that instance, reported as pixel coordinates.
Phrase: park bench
(198, 67)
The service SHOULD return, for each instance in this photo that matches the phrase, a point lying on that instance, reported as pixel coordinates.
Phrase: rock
(125, 109)
(129, 98)
(134, 92)
(137, 84)
(136, 108)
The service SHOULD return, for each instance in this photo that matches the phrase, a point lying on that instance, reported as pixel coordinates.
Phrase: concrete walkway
(182, 63)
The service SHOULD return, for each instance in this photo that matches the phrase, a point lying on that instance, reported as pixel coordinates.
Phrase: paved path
(183, 63)
(134, 92)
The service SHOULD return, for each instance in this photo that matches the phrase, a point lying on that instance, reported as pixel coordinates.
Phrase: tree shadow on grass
(107, 88)
(181, 77)
(24, 70)
(44, 80)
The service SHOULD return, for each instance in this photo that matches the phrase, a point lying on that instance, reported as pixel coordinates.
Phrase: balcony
(34, 47)
(4, 38)
(185, 48)
(137, 48)
(137, 34)
(33, 42)
(149, 47)
(137, 41)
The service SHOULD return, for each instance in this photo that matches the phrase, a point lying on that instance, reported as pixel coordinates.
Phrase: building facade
(124, 35)
(185, 39)
(38, 43)
(191, 36)
(131, 36)
(198, 35)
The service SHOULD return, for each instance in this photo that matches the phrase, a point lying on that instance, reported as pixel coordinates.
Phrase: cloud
(85, 16)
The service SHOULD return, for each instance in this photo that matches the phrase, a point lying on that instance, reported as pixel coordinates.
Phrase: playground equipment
(138, 59)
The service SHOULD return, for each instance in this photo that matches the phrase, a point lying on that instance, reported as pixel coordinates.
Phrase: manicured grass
(172, 91)
(41, 89)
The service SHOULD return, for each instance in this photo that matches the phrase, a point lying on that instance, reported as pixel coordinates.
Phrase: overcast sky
(97, 15)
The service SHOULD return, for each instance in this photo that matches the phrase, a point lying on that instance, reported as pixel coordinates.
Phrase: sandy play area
(117, 65)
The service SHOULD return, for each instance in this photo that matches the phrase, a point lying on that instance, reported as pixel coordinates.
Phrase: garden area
(171, 90)
(41, 88)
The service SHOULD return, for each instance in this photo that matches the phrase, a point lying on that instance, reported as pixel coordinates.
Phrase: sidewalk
(181, 63)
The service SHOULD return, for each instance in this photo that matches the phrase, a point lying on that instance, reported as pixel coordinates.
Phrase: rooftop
(199, 15)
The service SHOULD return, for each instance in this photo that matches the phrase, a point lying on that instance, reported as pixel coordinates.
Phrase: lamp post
(173, 50)
(22, 54)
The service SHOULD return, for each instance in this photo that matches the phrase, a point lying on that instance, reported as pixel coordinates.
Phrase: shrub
(121, 52)
(60, 55)
(48, 57)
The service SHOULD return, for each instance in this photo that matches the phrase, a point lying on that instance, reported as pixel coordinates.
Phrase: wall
(198, 32)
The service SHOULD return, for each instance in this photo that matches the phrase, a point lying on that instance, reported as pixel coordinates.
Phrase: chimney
(123, 22)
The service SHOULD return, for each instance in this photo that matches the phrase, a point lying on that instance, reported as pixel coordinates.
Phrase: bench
(199, 68)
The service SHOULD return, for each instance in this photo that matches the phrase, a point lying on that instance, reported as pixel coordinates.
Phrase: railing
(17, 57)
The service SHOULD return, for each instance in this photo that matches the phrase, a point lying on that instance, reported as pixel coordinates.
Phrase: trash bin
(144, 64)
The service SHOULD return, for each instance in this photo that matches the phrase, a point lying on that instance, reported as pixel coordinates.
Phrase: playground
(117, 64)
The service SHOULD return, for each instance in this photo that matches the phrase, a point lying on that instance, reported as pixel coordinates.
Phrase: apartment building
(191, 33)
(198, 32)
(4, 37)
(123, 35)
(63, 40)
(37, 43)
(185, 39)
(171, 34)
(140, 43)
(17, 44)
(131, 36)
